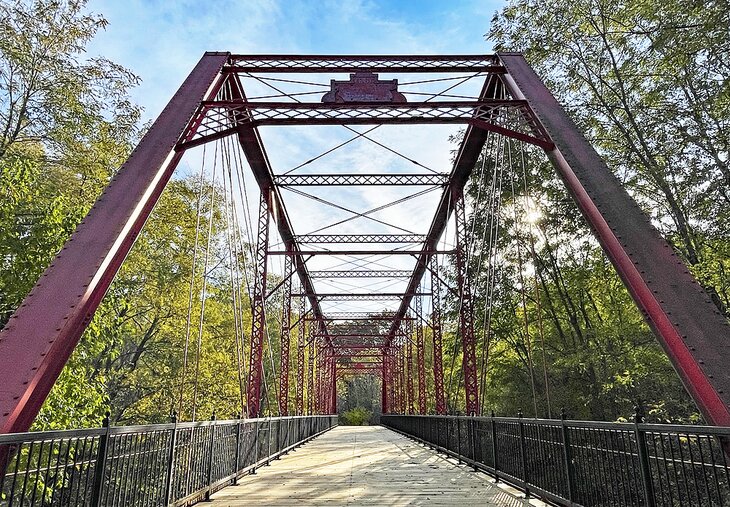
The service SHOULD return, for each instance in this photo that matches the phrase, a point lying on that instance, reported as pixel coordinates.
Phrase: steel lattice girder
(316, 180)
(220, 118)
(361, 274)
(376, 296)
(359, 252)
(353, 63)
(360, 238)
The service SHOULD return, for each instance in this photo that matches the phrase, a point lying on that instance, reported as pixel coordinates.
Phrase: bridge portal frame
(211, 104)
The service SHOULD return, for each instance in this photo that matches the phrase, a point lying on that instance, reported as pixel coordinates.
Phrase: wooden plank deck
(370, 466)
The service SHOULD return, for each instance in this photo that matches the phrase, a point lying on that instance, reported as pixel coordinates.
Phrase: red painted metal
(258, 315)
(688, 326)
(310, 372)
(466, 308)
(360, 274)
(409, 367)
(285, 338)
(420, 358)
(42, 333)
(332, 180)
(360, 252)
(364, 87)
(438, 369)
(301, 339)
(223, 118)
(372, 63)
(360, 238)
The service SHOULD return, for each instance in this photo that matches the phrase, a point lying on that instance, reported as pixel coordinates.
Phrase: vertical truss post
(258, 313)
(385, 383)
(333, 392)
(420, 353)
(438, 368)
(466, 310)
(285, 337)
(392, 382)
(395, 389)
(301, 344)
(319, 379)
(402, 395)
(310, 370)
(409, 367)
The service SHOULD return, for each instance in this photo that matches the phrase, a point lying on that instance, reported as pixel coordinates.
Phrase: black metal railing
(587, 463)
(155, 465)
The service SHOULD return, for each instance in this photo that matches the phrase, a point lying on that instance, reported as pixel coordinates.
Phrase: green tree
(66, 124)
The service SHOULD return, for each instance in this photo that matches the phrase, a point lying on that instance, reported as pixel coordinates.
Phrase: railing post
(100, 464)
(567, 457)
(646, 481)
(237, 462)
(523, 454)
(211, 442)
(255, 445)
(473, 440)
(171, 461)
(268, 443)
(458, 439)
(495, 454)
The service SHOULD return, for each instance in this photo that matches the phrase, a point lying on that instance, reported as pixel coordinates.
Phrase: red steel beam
(285, 338)
(360, 252)
(401, 64)
(301, 339)
(420, 358)
(438, 369)
(410, 179)
(392, 273)
(466, 309)
(360, 238)
(689, 327)
(42, 333)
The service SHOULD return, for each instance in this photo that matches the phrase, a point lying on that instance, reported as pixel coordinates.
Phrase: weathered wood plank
(366, 466)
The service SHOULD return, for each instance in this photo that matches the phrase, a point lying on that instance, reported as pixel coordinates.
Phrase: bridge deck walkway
(366, 466)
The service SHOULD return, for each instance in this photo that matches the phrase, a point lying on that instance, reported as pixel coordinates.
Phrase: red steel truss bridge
(362, 291)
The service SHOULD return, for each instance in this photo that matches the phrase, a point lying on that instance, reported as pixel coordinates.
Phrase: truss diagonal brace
(40, 336)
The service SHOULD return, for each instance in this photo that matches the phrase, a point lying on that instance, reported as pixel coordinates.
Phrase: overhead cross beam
(331, 180)
(361, 274)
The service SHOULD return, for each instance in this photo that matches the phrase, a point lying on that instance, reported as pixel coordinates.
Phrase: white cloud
(161, 41)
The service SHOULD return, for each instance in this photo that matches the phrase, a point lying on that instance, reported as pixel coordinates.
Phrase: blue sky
(161, 41)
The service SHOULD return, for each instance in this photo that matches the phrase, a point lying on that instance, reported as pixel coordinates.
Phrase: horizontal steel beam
(362, 297)
(359, 63)
(361, 252)
(361, 274)
(360, 238)
(316, 180)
